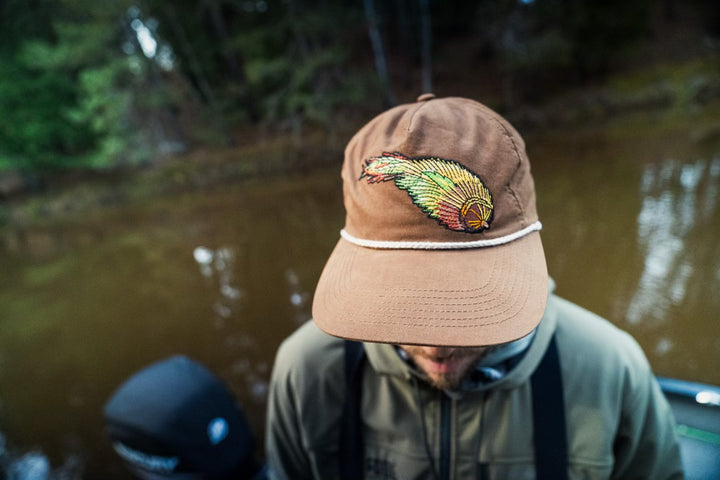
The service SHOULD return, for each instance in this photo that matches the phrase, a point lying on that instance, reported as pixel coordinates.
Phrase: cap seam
(507, 135)
(420, 105)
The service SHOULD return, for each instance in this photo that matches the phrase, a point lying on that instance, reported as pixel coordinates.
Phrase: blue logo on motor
(217, 430)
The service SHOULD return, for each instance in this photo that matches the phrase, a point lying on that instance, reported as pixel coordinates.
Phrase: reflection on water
(101, 297)
(219, 269)
(217, 266)
(299, 298)
(35, 465)
(677, 197)
(631, 232)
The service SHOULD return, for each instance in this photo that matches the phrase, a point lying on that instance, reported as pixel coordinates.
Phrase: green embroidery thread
(444, 189)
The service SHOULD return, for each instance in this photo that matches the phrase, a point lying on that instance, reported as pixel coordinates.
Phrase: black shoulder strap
(549, 430)
(548, 406)
(351, 455)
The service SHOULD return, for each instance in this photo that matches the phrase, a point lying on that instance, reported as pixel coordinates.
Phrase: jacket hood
(385, 360)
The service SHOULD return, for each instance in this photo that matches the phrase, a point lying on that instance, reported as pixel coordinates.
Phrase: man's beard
(445, 371)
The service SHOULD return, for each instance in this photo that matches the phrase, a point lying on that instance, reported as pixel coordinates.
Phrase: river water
(631, 229)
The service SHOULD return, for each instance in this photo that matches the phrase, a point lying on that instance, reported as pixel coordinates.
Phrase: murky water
(631, 229)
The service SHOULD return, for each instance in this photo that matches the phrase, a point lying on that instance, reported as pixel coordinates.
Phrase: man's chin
(444, 381)
(445, 372)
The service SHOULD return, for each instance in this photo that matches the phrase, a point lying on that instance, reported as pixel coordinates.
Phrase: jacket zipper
(445, 436)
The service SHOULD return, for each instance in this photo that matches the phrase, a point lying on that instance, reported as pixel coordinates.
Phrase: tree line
(88, 84)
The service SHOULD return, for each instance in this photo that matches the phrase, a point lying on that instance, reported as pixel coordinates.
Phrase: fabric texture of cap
(441, 243)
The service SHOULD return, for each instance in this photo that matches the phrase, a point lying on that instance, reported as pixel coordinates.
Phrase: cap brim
(469, 297)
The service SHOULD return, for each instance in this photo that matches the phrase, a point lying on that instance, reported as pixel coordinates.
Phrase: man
(471, 367)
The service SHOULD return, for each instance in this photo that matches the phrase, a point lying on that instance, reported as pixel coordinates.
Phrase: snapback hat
(441, 244)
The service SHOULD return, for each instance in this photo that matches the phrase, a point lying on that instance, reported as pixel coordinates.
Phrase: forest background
(191, 93)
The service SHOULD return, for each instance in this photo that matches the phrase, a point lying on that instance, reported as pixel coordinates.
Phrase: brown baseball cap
(441, 244)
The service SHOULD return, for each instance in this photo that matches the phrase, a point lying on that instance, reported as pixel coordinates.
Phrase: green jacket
(619, 424)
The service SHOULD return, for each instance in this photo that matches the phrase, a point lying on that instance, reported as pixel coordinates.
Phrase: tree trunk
(233, 58)
(198, 77)
(426, 43)
(379, 52)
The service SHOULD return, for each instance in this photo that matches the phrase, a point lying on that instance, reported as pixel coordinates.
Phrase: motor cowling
(176, 419)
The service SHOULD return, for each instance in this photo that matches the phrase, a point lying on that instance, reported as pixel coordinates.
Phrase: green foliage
(37, 130)
(581, 36)
(304, 88)
(282, 63)
(549, 49)
(600, 32)
(317, 79)
(77, 91)
(106, 109)
(67, 94)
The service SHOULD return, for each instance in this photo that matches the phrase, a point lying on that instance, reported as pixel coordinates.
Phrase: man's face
(445, 367)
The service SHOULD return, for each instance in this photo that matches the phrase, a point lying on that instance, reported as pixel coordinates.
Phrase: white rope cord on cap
(490, 242)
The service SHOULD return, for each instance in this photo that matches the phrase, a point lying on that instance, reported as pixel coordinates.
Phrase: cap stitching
(503, 312)
(475, 325)
(507, 318)
(412, 116)
(478, 292)
(506, 311)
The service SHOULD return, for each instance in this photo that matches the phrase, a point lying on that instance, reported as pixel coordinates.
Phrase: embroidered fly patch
(445, 190)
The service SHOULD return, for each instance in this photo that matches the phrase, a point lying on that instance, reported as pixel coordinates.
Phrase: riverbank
(674, 96)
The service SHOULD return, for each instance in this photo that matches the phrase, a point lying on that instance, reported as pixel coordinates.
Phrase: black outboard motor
(176, 420)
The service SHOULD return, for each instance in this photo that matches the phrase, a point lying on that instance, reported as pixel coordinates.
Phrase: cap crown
(439, 170)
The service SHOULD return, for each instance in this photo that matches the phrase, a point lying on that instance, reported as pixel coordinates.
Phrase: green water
(631, 228)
